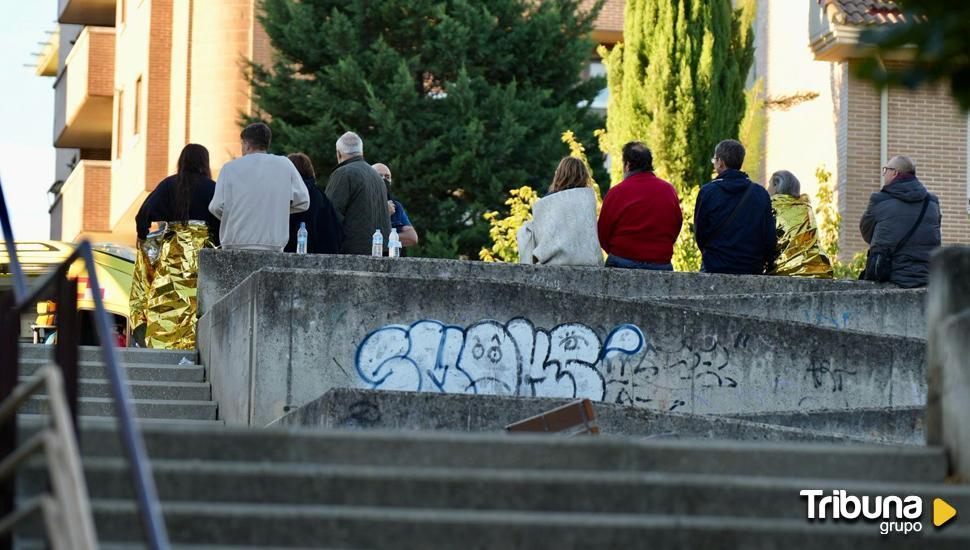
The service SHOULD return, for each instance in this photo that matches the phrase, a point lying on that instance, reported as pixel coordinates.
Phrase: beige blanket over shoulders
(562, 230)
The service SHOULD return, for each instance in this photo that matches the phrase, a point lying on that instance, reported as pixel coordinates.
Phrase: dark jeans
(616, 261)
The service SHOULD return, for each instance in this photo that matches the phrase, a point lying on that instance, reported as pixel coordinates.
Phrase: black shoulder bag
(728, 220)
(879, 260)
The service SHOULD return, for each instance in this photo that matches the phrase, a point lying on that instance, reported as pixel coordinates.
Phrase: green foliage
(829, 228)
(937, 35)
(752, 131)
(677, 84)
(827, 214)
(504, 247)
(686, 255)
(463, 99)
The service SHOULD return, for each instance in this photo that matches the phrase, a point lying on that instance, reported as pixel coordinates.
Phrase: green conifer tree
(463, 99)
(677, 82)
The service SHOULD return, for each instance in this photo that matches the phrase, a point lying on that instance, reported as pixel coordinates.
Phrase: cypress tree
(677, 83)
(463, 99)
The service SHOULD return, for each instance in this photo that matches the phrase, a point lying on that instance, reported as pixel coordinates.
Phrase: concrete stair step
(528, 452)
(144, 408)
(657, 493)
(126, 355)
(262, 525)
(138, 372)
(38, 544)
(172, 391)
(30, 423)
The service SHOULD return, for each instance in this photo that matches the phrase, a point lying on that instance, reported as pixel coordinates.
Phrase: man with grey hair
(733, 223)
(901, 226)
(359, 195)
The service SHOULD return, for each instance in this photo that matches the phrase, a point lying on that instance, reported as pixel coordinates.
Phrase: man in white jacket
(255, 195)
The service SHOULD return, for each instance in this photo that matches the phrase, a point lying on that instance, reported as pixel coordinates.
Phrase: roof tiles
(610, 17)
(865, 12)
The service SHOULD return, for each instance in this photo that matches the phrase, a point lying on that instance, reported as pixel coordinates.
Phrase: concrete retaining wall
(899, 425)
(284, 337)
(407, 411)
(948, 357)
(222, 270)
(876, 311)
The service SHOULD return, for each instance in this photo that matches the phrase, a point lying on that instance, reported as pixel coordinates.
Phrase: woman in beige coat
(563, 226)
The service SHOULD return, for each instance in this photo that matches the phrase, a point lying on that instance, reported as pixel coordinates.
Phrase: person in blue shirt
(399, 216)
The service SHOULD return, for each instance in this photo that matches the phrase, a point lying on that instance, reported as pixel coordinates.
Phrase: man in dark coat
(733, 223)
(359, 196)
(891, 214)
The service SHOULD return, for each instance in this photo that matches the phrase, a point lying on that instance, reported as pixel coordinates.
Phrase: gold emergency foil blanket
(164, 284)
(799, 252)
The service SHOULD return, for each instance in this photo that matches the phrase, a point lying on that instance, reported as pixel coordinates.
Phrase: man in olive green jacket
(359, 196)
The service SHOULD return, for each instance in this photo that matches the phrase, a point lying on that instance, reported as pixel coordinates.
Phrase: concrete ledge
(899, 425)
(955, 393)
(400, 410)
(876, 311)
(948, 356)
(222, 270)
(284, 337)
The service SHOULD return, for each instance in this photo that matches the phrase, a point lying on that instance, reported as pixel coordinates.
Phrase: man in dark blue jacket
(733, 223)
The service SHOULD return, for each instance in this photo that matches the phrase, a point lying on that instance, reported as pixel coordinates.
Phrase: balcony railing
(87, 12)
(84, 92)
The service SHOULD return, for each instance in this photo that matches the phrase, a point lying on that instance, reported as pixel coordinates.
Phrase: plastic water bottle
(394, 244)
(301, 237)
(378, 248)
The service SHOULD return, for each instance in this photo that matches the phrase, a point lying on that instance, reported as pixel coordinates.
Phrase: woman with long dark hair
(163, 289)
(324, 232)
(184, 196)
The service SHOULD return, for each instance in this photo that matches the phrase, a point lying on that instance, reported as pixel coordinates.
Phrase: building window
(597, 68)
(120, 130)
(137, 116)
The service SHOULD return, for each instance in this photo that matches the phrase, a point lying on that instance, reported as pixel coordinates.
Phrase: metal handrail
(68, 513)
(67, 356)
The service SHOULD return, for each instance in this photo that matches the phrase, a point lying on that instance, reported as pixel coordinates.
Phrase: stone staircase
(274, 488)
(161, 388)
(231, 487)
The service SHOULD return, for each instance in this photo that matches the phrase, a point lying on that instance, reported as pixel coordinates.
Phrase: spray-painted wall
(284, 337)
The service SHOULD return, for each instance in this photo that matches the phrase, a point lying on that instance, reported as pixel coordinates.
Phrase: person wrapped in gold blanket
(163, 290)
(798, 251)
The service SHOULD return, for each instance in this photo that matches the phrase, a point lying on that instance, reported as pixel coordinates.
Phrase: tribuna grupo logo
(895, 514)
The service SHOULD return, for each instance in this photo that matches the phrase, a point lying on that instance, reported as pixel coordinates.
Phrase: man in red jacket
(641, 217)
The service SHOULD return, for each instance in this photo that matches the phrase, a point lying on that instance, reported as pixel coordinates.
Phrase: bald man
(901, 206)
(399, 217)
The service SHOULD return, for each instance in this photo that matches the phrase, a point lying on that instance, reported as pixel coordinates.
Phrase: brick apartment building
(137, 79)
(873, 125)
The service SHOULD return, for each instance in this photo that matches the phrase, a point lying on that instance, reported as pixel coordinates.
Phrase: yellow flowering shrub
(502, 230)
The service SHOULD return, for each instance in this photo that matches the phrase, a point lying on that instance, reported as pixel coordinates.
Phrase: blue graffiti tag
(489, 357)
